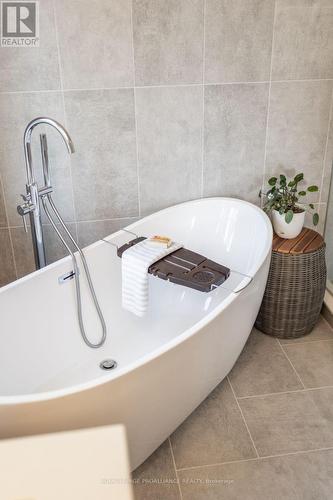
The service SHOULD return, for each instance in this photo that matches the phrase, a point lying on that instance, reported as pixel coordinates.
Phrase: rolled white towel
(135, 263)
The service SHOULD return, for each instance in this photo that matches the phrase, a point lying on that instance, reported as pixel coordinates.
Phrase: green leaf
(302, 193)
(299, 177)
(313, 189)
(291, 184)
(272, 181)
(283, 180)
(315, 219)
(311, 205)
(281, 211)
(289, 216)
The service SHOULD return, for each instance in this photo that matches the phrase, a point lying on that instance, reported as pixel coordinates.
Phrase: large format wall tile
(54, 248)
(297, 132)
(33, 68)
(104, 167)
(303, 40)
(91, 231)
(99, 52)
(238, 40)
(23, 251)
(7, 269)
(235, 127)
(169, 123)
(168, 41)
(16, 110)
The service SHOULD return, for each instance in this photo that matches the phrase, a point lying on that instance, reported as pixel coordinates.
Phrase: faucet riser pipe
(36, 228)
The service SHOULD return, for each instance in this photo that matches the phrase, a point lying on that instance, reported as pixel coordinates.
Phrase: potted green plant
(282, 200)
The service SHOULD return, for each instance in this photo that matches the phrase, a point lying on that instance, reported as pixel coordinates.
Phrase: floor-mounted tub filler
(162, 365)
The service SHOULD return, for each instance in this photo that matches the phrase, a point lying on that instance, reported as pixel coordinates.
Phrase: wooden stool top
(306, 242)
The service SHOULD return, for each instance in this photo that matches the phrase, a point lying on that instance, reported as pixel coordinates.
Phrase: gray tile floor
(266, 432)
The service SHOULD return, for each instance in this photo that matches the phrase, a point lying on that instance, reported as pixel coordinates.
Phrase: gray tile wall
(166, 100)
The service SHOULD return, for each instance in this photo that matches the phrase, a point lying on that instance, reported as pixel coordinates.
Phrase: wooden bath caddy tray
(186, 268)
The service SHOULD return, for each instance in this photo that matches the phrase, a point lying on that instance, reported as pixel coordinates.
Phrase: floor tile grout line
(330, 326)
(242, 414)
(292, 391)
(286, 355)
(216, 464)
(292, 344)
(254, 459)
(176, 470)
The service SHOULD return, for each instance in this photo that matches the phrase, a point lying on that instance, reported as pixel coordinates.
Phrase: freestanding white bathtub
(168, 361)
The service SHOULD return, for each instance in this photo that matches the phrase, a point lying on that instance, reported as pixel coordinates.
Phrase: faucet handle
(22, 210)
(25, 209)
(25, 197)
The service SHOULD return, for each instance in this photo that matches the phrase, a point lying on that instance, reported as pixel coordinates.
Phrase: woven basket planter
(294, 294)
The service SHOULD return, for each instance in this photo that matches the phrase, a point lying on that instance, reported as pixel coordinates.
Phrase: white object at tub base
(86, 464)
(291, 230)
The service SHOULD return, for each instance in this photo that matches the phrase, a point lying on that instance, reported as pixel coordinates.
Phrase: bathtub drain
(108, 364)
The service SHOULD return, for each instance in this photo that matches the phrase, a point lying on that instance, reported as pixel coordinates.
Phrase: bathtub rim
(156, 353)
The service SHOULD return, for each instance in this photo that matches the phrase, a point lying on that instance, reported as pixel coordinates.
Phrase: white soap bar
(161, 241)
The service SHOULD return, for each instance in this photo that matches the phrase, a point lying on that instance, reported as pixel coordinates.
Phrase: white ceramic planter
(290, 230)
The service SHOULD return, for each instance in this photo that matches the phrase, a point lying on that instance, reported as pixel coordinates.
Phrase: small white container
(290, 230)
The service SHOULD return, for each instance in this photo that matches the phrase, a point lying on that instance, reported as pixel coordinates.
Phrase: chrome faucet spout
(27, 142)
(31, 205)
